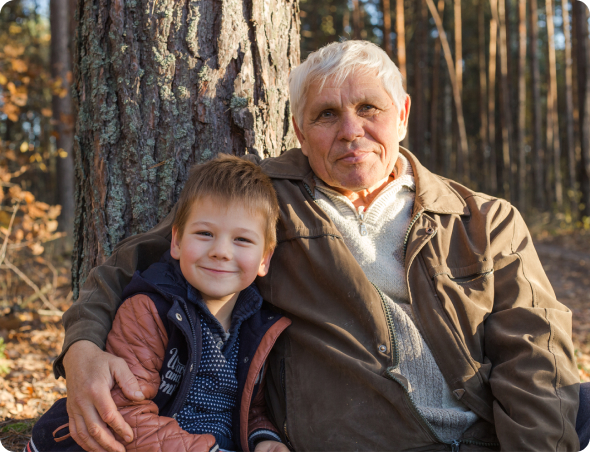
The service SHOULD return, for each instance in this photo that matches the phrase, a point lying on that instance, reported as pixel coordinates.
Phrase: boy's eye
(243, 239)
(204, 233)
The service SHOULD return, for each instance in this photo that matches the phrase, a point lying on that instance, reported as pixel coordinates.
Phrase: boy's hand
(271, 446)
(91, 374)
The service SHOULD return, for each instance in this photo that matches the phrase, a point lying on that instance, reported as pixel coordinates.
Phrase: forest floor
(33, 336)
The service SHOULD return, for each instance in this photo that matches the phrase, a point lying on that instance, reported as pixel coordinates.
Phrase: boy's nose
(221, 249)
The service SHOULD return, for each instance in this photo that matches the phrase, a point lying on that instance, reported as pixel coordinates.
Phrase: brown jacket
(139, 336)
(481, 301)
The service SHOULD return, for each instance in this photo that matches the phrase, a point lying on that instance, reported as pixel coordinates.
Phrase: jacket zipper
(409, 230)
(193, 372)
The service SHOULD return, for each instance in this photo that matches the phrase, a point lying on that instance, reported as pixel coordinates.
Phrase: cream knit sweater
(375, 238)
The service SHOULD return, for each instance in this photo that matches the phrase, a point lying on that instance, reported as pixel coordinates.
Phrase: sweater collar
(433, 194)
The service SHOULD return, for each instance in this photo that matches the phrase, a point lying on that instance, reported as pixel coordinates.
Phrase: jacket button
(430, 231)
(191, 368)
(174, 416)
(382, 348)
(246, 359)
(179, 317)
(271, 317)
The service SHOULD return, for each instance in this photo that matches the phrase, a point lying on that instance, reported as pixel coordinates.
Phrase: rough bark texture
(160, 85)
(61, 69)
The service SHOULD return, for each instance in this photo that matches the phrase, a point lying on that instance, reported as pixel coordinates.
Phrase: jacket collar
(433, 194)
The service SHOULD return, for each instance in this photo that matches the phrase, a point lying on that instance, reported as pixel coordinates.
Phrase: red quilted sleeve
(139, 337)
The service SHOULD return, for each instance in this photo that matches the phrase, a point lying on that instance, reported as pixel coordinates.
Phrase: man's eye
(326, 114)
(366, 109)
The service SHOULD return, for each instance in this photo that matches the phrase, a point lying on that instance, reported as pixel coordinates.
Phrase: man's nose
(351, 127)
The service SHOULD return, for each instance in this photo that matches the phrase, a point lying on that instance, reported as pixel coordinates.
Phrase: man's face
(351, 133)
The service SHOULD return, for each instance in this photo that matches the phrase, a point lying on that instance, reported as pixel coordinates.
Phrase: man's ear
(300, 136)
(265, 264)
(404, 114)
(175, 244)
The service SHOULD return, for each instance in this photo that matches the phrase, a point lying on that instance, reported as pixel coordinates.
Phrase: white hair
(339, 60)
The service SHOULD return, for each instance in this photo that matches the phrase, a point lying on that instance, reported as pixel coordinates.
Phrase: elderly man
(422, 318)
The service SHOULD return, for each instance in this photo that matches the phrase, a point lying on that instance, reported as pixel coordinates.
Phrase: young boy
(191, 327)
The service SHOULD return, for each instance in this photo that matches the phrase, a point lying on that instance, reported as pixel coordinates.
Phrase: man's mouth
(354, 157)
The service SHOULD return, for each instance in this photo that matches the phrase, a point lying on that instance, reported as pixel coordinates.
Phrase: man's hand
(271, 446)
(91, 374)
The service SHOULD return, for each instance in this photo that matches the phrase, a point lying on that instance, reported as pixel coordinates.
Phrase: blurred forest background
(500, 101)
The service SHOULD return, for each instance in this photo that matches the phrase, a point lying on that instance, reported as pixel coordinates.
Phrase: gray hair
(339, 60)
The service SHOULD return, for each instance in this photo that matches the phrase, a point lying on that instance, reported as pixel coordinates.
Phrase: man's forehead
(351, 90)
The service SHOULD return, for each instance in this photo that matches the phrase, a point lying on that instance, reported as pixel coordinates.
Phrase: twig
(34, 286)
(5, 244)
(49, 312)
(161, 163)
(36, 295)
(16, 246)
(53, 270)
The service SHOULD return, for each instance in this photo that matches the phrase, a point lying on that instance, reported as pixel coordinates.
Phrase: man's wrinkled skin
(350, 133)
(92, 373)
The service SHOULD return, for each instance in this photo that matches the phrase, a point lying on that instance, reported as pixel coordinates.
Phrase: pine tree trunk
(61, 70)
(552, 114)
(458, 45)
(506, 116)
(569, 111)
(493, 174)
(583, 54)
(356, 19)
(160, 85)
(434, 118)
(521, 104)
(387, 27)
(419, 117)
(464, 148)
(538, 153)
(483, 93)
(400, 31)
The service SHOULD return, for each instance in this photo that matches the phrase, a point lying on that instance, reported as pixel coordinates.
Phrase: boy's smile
(221, 251)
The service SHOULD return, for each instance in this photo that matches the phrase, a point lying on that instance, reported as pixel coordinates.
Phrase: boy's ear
(175, 244)
(265, 264)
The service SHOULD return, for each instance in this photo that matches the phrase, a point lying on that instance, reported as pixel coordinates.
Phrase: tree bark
(434, 118)
(506, 116)
(552, 113)
(356, 19)
(464, 148)
(400, 31)
(386, 5)
(569, 111)
(492, 96)
(458, 46)
(583, 59)
(483, 92)
(538, 152)
(419, 117)
(61, 71)
(160, 85)
(521, 105)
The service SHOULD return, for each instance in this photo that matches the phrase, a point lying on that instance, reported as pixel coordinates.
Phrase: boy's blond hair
(229, 179)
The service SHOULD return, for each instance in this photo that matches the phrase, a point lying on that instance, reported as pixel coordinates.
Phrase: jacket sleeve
(260, 428)
(91, 316)
(534, 377)
(139, 336)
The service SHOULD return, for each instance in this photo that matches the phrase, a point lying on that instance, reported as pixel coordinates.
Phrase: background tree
(160, 85)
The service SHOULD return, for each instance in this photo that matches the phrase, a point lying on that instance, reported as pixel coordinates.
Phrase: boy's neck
(222, 310)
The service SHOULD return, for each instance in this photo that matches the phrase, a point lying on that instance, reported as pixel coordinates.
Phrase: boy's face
(221, 250)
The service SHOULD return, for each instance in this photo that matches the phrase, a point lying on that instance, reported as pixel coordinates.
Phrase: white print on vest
(172, 377)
